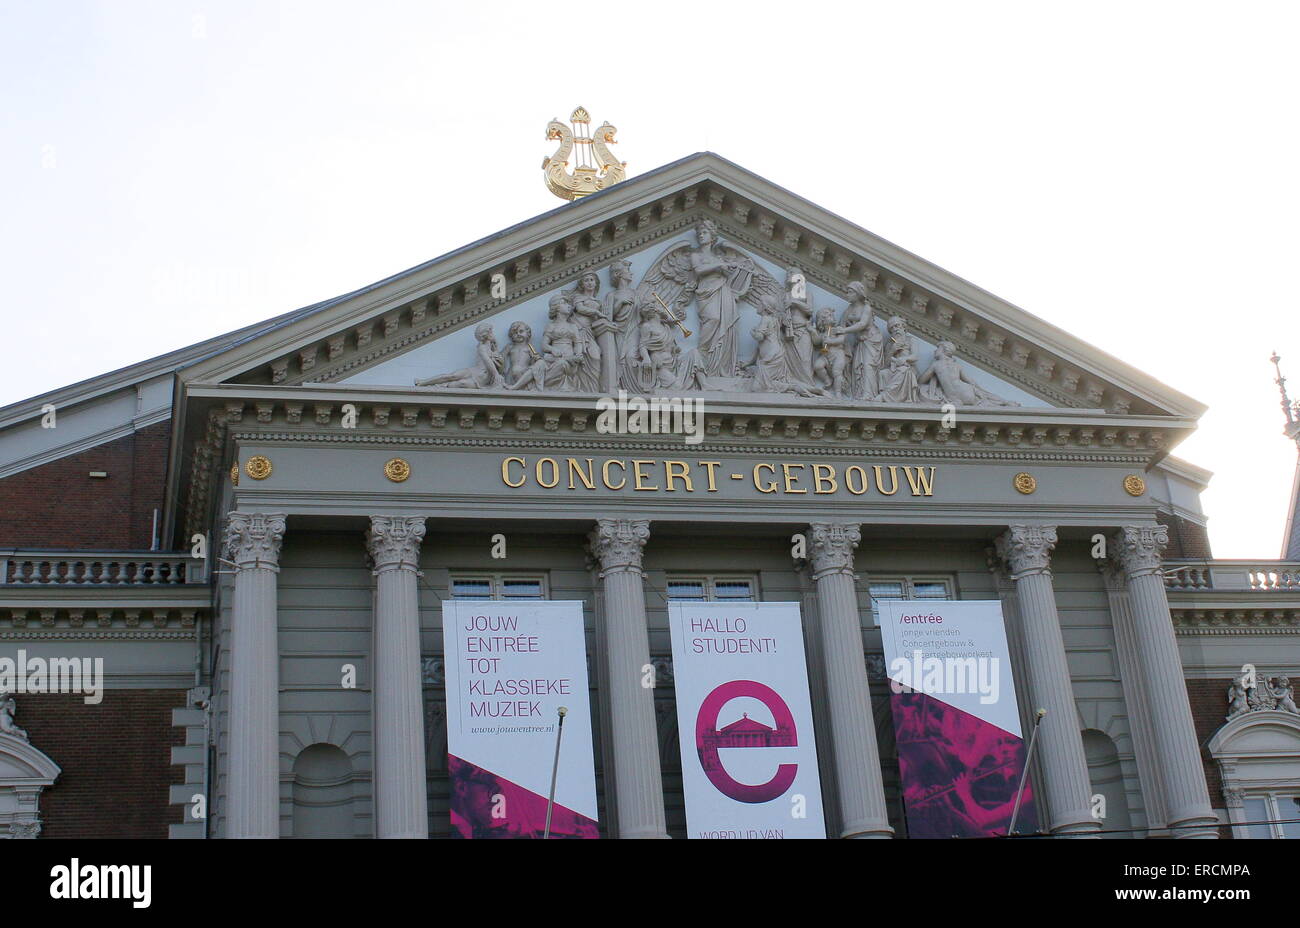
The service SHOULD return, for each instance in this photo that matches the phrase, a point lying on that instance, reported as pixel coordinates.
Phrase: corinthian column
(1136, 698)
(1178, 755)
(253, 545)
(401, 800)
(853, 725)
(1027, 549)
(616, 545)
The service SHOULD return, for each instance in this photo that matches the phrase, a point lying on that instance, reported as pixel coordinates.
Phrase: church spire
(1291, 534)
(1289, 409)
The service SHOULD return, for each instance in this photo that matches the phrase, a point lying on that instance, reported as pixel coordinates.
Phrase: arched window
(24, 772)
(1259, 755)
(323, 793)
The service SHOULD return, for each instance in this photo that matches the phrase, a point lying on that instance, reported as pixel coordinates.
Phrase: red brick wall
(57, 505)
(1186, 539)
(116, 760)
(1209, 711)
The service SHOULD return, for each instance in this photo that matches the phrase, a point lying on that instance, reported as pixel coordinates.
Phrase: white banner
(510, 667)
(749, 757)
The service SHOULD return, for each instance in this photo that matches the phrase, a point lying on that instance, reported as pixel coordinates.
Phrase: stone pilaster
(1027, 550)
(253, 545)
(616, 546)
(1139, 550)
(853, 726)
(401, 803)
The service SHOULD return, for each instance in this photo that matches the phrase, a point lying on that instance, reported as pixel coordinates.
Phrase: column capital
(1027, 548)
(394, 542)
(831, 546)
(1140, 548)
(253, 539)
(617, 544)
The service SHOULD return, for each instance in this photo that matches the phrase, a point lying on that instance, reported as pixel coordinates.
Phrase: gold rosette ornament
(1025, 483)
(258, 467)
(397, 470)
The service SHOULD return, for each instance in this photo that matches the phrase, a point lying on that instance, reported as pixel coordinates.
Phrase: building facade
(255, 535)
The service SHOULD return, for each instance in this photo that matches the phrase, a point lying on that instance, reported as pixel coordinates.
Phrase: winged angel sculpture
(718, 278)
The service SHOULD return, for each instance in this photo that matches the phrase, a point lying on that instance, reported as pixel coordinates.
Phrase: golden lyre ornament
(596, 167)
(672, 317)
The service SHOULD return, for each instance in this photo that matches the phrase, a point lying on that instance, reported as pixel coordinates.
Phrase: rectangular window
(498, 586)
(710, 589)
(909, 588)
(1271, 815)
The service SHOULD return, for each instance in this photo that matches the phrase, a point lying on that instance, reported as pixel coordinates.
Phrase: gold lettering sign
(781, 478)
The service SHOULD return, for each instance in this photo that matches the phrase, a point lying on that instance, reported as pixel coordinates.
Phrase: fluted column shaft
(253, 806)
(1027, 550)
(616, 546)
(1187, 800)
(1136, 699)
(400, 789)
(853, 724)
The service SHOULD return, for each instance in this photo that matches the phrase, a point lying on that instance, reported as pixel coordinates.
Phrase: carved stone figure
(594, 328)
(859, 320)
(1266, 694)
(899, 382)
(658, 350)
(622, 312)
(556, 368)
(1283, 694)
(486, 373)
(945, 373)
(717, 276)
(771, 371)
(1236, 699)
(519, 356)
(800, 342)
(8, 706)
(832, 360)
(593, 344)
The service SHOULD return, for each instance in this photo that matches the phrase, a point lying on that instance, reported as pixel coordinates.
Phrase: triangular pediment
(421, 323)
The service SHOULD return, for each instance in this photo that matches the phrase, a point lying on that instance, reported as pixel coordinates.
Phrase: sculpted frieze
(634, 337)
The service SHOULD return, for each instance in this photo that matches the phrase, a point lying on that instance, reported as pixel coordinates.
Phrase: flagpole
(555, 769)
(1024, 774)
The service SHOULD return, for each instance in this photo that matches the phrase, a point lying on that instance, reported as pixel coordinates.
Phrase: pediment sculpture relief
(631, 338)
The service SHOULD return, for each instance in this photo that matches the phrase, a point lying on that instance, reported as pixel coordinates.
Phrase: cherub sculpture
(832, 360)
(7, 709)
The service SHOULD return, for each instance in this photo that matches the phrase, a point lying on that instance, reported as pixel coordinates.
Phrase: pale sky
(1127, 171)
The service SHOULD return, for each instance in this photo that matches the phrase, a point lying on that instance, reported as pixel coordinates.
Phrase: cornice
(1233, 622)
(104, 620)
(410, 411)
(479, 440)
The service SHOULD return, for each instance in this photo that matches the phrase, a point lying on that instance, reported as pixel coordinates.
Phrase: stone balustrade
(1235, 576)
(95, 569)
